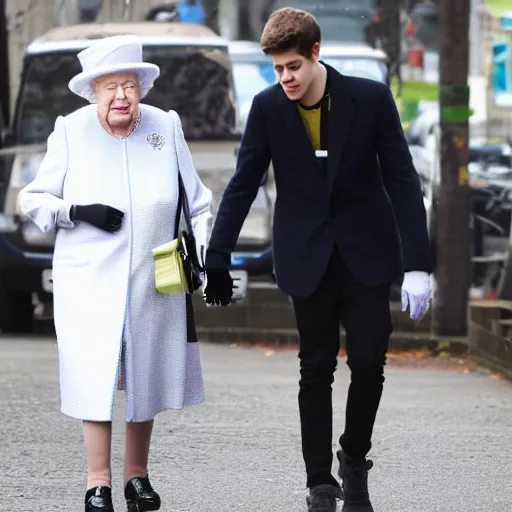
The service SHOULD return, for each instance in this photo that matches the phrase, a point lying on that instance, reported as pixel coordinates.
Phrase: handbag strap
(183, 205)
(177, 220)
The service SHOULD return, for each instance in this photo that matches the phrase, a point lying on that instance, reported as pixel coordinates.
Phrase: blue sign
(506, 21)
(502, 73)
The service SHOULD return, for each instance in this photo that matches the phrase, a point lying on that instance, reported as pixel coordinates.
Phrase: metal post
(453, 251)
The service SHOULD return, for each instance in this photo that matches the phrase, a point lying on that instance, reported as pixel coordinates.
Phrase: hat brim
(147, 72)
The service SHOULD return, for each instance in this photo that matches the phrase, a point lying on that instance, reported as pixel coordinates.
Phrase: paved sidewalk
(443, 439)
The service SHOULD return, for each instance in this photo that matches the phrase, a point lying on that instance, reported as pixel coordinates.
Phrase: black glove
(98, 215)
(219, 286)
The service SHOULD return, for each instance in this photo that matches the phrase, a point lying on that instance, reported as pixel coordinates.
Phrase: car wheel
(16, 311)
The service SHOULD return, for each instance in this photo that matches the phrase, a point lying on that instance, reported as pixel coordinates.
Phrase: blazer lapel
(340, 120)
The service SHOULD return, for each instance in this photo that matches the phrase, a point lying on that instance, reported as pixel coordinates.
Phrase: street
(442, 442)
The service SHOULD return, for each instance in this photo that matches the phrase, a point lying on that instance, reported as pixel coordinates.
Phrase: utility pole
(453, 226)
(5, 105)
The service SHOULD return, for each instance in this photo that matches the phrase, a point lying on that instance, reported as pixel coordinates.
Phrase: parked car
(490, 180)
(196, 81)
(490, 170)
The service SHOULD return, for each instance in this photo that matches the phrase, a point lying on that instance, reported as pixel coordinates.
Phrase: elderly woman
(109, 185)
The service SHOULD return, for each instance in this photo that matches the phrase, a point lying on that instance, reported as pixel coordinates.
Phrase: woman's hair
(290, 29)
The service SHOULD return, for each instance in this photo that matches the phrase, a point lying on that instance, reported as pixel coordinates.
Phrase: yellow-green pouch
(169, 273)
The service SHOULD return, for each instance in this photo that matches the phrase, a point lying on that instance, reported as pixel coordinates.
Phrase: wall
(27, 19)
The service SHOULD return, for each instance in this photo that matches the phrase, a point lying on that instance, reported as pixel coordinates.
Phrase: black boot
(322, 498)
(99, 499)
(354, 476)
(140, 496)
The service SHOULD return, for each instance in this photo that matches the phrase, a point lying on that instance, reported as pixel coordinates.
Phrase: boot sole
(308, 502)
(142, 507)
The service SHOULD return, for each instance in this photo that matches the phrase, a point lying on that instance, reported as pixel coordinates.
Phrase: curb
(400, 340)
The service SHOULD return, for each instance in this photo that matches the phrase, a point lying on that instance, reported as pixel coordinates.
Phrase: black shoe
(99, 499)
(322, 498)
(140, 496)
(354, 476)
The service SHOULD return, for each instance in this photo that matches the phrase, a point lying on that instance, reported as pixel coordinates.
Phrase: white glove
(416, 293)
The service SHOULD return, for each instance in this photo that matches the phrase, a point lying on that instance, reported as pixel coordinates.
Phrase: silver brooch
(156, 140)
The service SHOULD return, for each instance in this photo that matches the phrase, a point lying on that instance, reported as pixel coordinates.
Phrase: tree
(453, 226)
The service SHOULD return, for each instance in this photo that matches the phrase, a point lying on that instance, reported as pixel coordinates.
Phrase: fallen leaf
(495, 376)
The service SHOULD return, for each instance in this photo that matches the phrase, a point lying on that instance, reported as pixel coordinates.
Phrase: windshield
(194, 81)
(365, 68)
(251, 78)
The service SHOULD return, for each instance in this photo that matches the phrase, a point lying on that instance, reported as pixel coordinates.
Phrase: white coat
(107, 309)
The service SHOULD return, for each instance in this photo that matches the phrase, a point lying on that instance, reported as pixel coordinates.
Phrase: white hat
(116, 54)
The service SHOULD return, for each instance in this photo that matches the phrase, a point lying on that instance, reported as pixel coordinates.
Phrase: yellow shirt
(311, 118)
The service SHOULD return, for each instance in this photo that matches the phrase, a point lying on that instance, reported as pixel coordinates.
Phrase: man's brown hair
(290, 29)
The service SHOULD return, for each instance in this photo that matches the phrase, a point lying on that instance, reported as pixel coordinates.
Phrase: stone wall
(27, 19)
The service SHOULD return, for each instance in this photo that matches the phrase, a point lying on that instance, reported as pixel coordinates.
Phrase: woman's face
(117, 98)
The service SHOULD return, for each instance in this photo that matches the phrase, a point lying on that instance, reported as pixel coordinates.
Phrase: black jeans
(365, 314)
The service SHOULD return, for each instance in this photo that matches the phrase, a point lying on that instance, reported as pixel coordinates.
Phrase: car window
(194, 81)
(251, 78)
(365, 68)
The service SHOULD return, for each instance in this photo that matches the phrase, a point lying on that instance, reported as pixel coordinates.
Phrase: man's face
(295, 72)
(117, 97)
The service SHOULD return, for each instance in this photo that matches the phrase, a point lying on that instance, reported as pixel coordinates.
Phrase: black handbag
(187, 248)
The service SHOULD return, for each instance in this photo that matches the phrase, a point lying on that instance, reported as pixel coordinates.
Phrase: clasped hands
(219, 287)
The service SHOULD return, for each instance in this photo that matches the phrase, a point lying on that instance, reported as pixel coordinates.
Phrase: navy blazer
(367, 200)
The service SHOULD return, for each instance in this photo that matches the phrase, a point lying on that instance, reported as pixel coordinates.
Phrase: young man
(349, 220)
